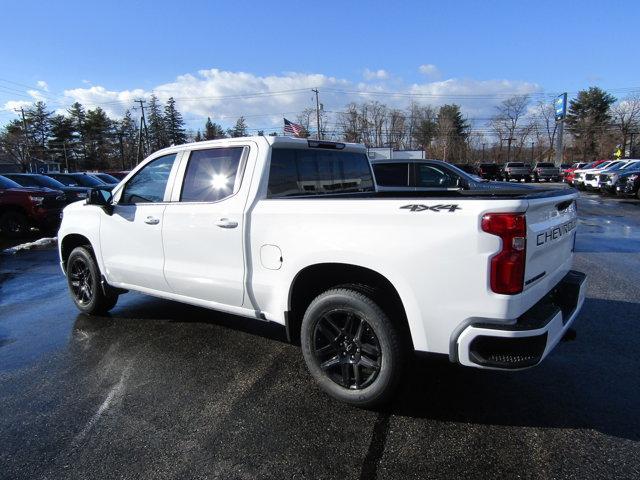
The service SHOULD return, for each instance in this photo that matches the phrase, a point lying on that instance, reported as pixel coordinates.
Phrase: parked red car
(22, 208)
(567, 173)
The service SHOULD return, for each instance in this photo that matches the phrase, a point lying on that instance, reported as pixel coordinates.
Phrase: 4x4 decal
(433, 208)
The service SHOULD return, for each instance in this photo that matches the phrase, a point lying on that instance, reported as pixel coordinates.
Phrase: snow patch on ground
(37, 244)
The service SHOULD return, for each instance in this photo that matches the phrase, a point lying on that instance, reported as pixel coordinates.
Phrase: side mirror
(101, 197)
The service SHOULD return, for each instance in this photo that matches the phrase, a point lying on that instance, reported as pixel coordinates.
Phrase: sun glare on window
(219, 181)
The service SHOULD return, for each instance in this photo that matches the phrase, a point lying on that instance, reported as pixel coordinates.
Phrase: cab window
(150, 183)
(211, 174)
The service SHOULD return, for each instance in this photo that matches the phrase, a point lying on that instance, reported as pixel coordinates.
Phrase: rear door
(551, 230)
(203, 227)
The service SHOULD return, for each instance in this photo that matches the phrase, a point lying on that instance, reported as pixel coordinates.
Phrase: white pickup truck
(293, 231)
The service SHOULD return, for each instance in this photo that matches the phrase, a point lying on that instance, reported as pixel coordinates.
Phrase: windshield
(36, 181)
(604, 165)
(105, 177)
(546, 165)
(634, 167)
(515, 164)
(616, 166)
(6, 183)
(630, 166)
(86, 180)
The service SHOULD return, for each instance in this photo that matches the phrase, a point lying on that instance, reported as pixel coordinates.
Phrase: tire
(14, 224)
(83, 279)
(638, 194)
(352, 348)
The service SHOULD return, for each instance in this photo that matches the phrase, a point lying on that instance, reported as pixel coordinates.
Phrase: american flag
(292, 128)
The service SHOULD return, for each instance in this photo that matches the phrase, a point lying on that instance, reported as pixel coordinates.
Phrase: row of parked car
(29, 200)
(608, 177)
(518, 171)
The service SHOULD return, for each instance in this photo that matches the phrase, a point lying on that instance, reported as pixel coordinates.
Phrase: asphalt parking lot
(163, 390)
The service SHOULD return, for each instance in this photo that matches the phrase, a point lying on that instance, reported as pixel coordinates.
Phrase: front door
(131, 237)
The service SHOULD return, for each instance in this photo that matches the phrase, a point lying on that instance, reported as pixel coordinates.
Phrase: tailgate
(551, 229)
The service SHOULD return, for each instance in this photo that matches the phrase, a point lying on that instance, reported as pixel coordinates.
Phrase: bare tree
(626, 118)
(505, 123)
(546, 126)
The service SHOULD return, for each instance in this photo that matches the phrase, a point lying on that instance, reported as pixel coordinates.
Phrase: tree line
(518, 130)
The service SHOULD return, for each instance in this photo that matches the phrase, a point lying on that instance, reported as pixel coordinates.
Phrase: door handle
(226, 223)
(152, 220)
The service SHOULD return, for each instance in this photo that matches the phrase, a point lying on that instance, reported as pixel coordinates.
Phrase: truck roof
(279, 141)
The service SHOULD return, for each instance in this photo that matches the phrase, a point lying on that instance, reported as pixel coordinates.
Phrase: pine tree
(78, 147)
(156, 125)
(212, 130)
(39, 127)
(61, 139)
(198, 137)
(239, 129)
(127, 131)
(588, 118)
(174, 124)
(99, 140)
(453, 131)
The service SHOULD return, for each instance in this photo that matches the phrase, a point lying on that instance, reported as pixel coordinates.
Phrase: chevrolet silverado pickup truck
(294, 231)
(516, 171)
(545, 171)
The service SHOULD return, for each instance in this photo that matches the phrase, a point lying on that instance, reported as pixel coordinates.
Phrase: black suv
(629, 183)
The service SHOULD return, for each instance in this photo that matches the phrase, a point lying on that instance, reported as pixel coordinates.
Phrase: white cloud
(264, 100)
(375, 74)
(429, 70)
(43, 85)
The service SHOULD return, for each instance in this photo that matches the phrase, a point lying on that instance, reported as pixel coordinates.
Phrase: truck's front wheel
(352, 348)
(83, 277)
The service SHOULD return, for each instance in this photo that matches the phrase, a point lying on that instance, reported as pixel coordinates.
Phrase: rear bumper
(531, 337)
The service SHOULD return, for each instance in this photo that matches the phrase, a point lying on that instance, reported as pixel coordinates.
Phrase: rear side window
(211, 174)
(318, 172)
(149, 184)
(392, 174)
(430, 176)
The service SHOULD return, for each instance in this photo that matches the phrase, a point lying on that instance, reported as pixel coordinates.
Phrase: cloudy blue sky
(260, 59)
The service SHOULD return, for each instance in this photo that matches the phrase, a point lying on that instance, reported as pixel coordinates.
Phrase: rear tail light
(507, 266)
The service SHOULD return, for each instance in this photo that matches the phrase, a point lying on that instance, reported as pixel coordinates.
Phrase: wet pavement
(163, 390)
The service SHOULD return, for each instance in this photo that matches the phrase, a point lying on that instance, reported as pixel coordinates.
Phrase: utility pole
(532, 152)
(561, 112)
(315, 90)
(27, 155)
(483, 152)
(142, 149)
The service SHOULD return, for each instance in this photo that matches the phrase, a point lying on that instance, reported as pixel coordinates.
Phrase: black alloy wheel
(84, 280)
(347, 349)
(80, 281)
(353, 349)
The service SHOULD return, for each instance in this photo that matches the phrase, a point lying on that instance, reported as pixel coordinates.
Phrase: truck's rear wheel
(351, 347)
(83, 278)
